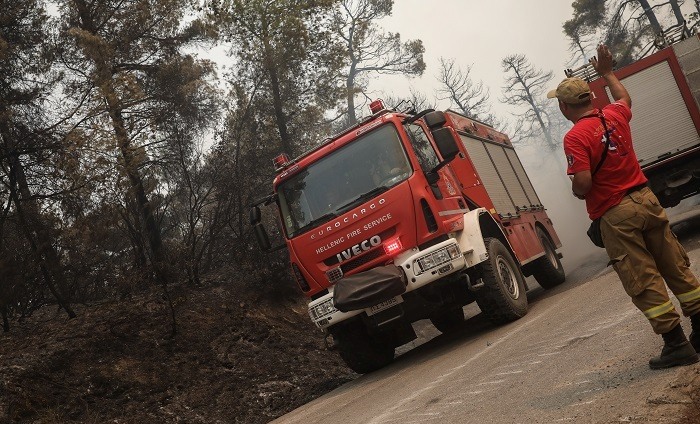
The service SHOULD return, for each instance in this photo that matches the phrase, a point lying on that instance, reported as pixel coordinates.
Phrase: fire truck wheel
(503, 298)
(449, 319)
(362, 352)
(548, 270)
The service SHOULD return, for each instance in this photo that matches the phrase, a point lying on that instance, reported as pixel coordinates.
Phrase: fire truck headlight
(441, 256)
(322, 310)
(437, 258)
(453, 251)
(426, 263)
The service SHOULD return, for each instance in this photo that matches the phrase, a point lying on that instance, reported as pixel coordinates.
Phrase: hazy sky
(479, 33)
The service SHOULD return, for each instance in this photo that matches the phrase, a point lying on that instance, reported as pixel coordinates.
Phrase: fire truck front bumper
(421, 267)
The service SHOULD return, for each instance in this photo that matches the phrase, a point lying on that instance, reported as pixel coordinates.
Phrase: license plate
(384, 305)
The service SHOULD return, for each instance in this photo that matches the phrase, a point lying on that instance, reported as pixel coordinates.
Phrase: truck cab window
(350, 176)
(427, 157)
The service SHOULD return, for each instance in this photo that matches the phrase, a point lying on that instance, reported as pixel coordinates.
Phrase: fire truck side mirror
(435, 119)
(261, 237)
(433, 177)
(260, 233)
(445, 142)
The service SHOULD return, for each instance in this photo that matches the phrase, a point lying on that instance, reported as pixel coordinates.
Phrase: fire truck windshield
(344, 179)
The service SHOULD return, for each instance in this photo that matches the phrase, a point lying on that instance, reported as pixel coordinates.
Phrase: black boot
(695, 334)
(676, 351)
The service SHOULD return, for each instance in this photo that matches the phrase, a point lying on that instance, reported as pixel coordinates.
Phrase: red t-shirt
(583, 146)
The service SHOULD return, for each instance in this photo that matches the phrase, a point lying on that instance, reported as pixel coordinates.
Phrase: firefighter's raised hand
(603, 64)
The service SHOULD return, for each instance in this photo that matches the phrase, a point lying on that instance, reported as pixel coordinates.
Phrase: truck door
(447, 190)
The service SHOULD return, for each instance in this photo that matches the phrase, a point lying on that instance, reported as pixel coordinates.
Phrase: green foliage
(287, 62)
(628, 27)
(29, 167)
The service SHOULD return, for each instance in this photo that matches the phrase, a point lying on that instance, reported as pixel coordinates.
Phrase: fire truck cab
(408, 216)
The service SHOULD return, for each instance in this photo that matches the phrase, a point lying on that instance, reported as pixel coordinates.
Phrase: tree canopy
(367, 49)
(127, 161)
(632, 28)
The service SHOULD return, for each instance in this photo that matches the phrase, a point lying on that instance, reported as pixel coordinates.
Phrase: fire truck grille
(334, 275)
(367, 257)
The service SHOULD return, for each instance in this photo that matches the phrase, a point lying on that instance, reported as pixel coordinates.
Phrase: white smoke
(547, 171)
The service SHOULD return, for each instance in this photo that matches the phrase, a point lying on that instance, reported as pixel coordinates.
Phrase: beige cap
(572, 91)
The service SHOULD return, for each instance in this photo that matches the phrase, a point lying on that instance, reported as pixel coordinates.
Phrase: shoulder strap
(607, 144)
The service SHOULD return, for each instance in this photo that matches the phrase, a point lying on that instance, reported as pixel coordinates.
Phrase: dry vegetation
(233, 361)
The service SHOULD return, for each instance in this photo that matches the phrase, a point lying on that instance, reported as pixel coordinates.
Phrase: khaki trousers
(645, 253)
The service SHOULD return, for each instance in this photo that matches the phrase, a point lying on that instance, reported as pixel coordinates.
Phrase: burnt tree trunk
(104, 78)
(651, 16)
(37, 234)
(677, 11)
(277, 102)
(350, 94)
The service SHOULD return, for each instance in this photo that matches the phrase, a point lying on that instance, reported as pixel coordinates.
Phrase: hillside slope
(230, 362)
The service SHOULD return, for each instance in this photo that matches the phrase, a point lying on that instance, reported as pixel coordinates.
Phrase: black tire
(362, 352)
(547, 270)
(502, 298)
(449, 319)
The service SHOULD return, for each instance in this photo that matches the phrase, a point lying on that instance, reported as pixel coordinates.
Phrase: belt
(635, 188)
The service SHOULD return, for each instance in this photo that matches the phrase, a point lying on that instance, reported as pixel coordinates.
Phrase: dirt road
(580, 356)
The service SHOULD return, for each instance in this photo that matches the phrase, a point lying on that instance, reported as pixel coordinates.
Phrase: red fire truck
(408, 216)
(665, 92)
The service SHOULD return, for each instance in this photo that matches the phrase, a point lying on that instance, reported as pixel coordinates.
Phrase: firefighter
(633, 226)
